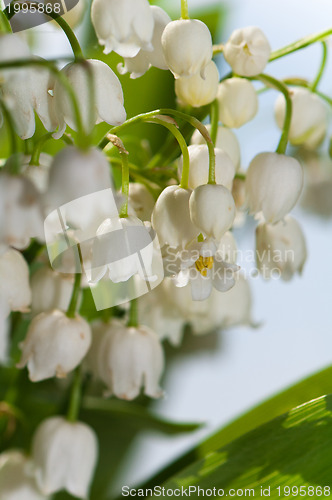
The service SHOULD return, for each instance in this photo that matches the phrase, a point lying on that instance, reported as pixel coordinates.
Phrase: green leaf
(294, 449)
(137, 416)
(310, 388)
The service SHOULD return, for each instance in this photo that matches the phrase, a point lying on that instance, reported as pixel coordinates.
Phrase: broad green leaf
(294, 449)
(310, 388)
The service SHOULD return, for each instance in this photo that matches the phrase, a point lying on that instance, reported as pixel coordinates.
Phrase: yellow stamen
(203, 264)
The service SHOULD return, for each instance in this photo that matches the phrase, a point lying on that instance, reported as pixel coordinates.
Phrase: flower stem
(214, 119)
(38, 148)
(315, 83)
(4, 23)
(12, 136)
(71, 311)
(133, 313)
(300, 44)
(277, 84)
(75, 396)
(125, 183)
(184, 9)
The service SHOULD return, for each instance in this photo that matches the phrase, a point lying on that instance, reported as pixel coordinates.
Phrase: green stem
(277, 84)
(75, 396)
(214, 119)
(321, 68)
(218, 49)
(125, 183)
(300, 44)
(71, 311)
(133, 313)
(38, 148)
(298, 82)
(4, 23)
(184, 9)
(12, 136)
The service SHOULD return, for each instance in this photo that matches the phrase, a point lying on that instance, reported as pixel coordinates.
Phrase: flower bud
(212, 209)
(98, 92)
(199, 166)
(197, 91)
(125, 27)
(65, 455)
(50, 290)
(139, 64)
(226, 140)
(273, 185)
(247, 51)
(131, 358)
(171, 219)
(15, 481)
(187, 46)
(280, 249)
(14, 284)
(21, 214)
(54, 345)
(238, 102)
(309, 118)
(141, 201)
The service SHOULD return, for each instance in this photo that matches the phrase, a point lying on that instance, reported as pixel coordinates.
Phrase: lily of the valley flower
(212, 209)
(140, 201)
(273, 185)
(21, 213)
(50, 290)
(199, 166)
(187, 46)
(205, 269)
(65, 456)
(309, 118)
(226, 140)
(54, 345)
(280, 249)
(171, 218)
(98, 92)
(197, 91)
(139, 64)
(15, 292)
(247, 51)
(125, 27)
(38, 174)
(16, 481)
(129, 359)
(238, 102)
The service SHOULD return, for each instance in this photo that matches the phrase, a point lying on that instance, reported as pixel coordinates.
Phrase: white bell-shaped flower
(212, 209)
(309, 118)
(317, 184)
(247, 51)
(38, 174)
(273, 185)
(141, 201)
(50, 290)
(226, 140)
(65, 456)
(139, 64)
(12, 47)
(197, 91)
(238, 102)
(133, 232)
(98, 92)
(15, 289)
(21, 213)
(125, 27)
(199, 166)
(131, 358)
(16, 483)
(171, 217)
(280, 249)
(187, 46)
(54, 345)
(74, 174)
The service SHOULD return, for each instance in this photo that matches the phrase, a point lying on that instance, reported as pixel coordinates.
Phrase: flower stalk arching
(316, 81)
(133, 314)
(75, 396)
(277, 84)
(214, 120)
(302, 43)
(125, 182)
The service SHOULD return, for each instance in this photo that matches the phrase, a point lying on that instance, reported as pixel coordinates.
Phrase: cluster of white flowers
(71, 199)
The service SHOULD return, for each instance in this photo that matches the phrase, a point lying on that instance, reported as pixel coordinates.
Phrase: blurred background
(215, 378)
